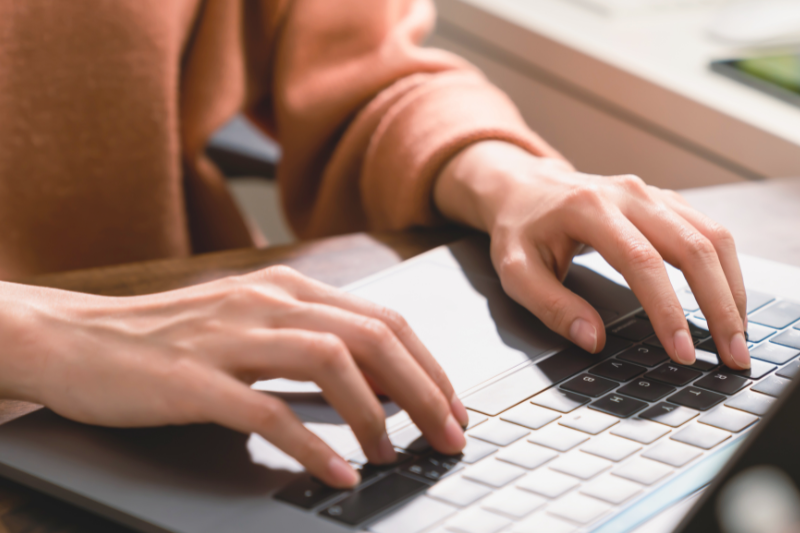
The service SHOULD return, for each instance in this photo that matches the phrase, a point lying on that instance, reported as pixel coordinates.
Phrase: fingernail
(684, 348)
(386, 453)
(342, 472)
(454, 434)
(584, 335)
(459, 411)
(739, 351)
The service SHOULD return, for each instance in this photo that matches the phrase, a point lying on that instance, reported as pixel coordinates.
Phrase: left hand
(540, 211)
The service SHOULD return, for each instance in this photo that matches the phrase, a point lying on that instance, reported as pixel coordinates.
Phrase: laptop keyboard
(562, 444)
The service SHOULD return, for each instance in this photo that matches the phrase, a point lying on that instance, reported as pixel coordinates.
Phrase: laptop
(559, 440)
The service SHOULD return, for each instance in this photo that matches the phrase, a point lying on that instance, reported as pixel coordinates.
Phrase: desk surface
(762, 216)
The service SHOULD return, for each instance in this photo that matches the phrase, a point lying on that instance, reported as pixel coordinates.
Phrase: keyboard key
(640, 430)
(751, 402)
(704, 360)
(540, 522)
(558, 438)
(579, 508)
(498, 432)
(708, 345)
(589, 385)
(413, 517)
(772, 386)
(774, 353)
(475, 418)
(509, 391)
(618, 405)
(410, 438)
(612, 448)
(558, 400)
(434, 467)
(611, 489)
(654, 341)
(778, 315)
(672, 453)
(306, 492)
(673, 374)
(698, 328)
(643, 471)
(694, 398)
(633, 329)
(372, 499)
(513, 502)
(687, 300)
(723, 382)
(494, 473)
(618, 370)
(701, 436)
(529, 415)
(477, 521)
(790, 338)
(757, 332)
(547, 483)
(669, 415)
(758, 369)
(459, 491)
(475, 450)
(646, 389)
(644, 355)
(790, 370)
(580, 465)
(527, 455)
(588, 421)
(728, 419)
(756, 300)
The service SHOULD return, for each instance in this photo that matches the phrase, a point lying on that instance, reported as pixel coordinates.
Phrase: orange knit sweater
(106, 106)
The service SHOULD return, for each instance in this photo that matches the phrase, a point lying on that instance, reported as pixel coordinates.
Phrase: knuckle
(330, 352)
(393, 319)
(697, 247)
(555, 311)
(642, 256)
(720, 235)
(268, 415)
(377, 331)
(631, 183)
(589, 195)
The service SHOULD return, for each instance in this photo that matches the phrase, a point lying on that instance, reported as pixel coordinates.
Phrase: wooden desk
(764, 218)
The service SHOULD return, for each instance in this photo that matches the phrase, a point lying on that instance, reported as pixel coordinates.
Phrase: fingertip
(584, 334)
(454, 435)
(341, 474)
(739, 352)
(459, 411)
(683, 348)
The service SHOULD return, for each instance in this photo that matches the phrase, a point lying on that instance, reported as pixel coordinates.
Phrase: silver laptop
(559, 440)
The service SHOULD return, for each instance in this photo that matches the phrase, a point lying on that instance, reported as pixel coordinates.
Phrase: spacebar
(529, 380)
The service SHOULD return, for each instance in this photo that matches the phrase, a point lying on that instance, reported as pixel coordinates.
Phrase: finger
(312, 291)
(232, 404)
(323, 358)
(380, 354)
(527, 280)
(683, 246)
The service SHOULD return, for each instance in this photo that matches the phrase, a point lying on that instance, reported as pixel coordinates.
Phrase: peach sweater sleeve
(366, 116)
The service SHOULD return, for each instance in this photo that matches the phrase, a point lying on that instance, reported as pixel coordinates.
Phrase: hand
(539, 212)
(188, 356)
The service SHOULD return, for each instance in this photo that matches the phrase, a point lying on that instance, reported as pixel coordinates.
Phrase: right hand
(189, 356)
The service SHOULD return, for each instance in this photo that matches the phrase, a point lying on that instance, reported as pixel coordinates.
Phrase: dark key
(634, 329)
(699, 399)
(646, 390)
(790, 338)
(790, 370)
(369, 470)
(644, 355)
(613, 346)
(758, 369)
(433, 467)
(307, 492)
(709, 346)
(704, 360)
(618, 405)
(617, 370)
(724, 382)
(778, 315)
(573, 360)
(589, 385)
(756, 300)
(653, 341)
(372, 499)
(673, 374)
(698, 329)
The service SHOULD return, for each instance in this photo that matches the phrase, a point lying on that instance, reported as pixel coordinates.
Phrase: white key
(612, 448)
(527, 455)
(672, 453)
(475, 450)
(558, 400)
(542, 522)
(529, 415)
(588, 421)
(477, 521)
(513, 502)
(409, 438)
(642, 431)
(643, 471)
(459, 491)
(420, 513)
(475, 418)
(751, 402)
(494, 473)
(702, 436)
(498, 432)
(547, 483)
(558, 438)
(728, 419)
(579, 508)
(611, 489)
(579, 464)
